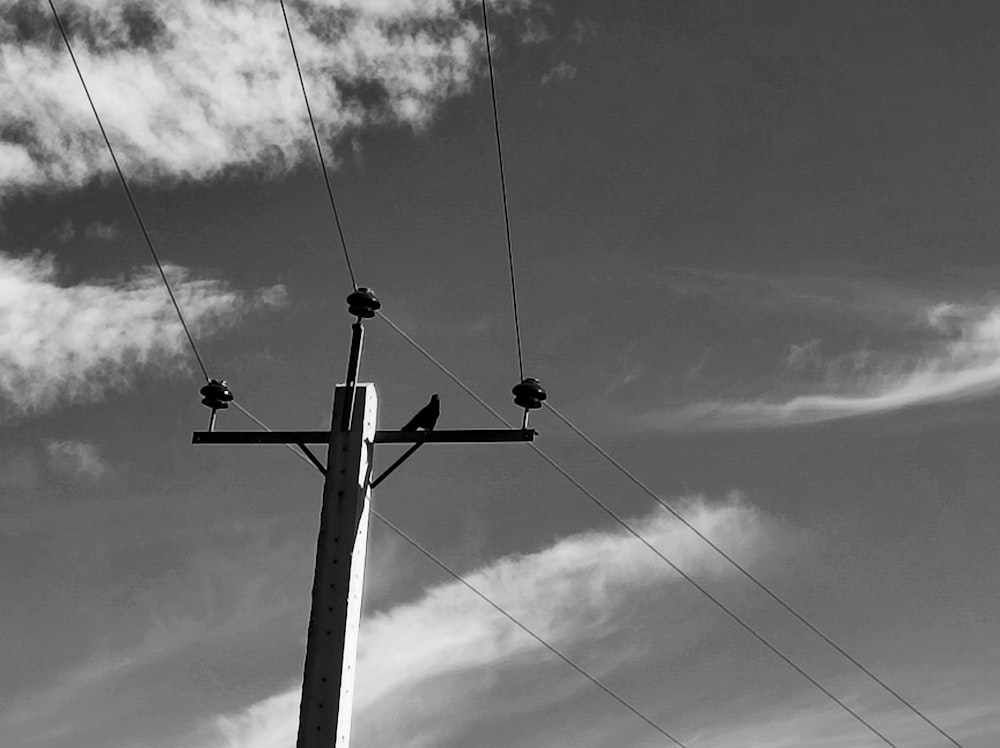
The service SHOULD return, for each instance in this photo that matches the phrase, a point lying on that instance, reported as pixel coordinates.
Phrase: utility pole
(341, 546)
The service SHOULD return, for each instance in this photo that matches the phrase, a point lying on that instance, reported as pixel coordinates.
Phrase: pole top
(216, 394)
(363, 304)
(529, 394)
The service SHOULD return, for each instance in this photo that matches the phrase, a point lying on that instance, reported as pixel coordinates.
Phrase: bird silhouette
(426, 417)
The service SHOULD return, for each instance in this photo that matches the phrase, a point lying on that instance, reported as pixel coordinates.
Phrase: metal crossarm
(445, 436)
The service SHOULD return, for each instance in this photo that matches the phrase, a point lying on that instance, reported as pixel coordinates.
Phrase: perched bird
(426, 417)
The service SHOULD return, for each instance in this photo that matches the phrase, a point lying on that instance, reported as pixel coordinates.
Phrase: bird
(426, 417)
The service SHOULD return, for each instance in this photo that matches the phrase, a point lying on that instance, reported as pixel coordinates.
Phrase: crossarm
(447, 436)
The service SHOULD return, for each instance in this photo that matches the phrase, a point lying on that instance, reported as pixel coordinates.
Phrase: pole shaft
(331, 647)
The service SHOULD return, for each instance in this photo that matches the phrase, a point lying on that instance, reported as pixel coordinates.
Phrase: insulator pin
(529, 394)
(216, 395)
(363, 304)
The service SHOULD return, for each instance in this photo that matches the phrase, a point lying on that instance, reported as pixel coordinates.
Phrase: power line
(319, 148)
(503, 190)
(128, 193)
(453, 377)
(630, 530)
(746, 573)
(256, 420)
(510, 617)
(712, 598)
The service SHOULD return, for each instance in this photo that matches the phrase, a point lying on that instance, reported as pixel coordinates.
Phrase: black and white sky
(758, 259)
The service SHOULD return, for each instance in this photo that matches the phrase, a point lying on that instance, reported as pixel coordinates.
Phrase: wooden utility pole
(332, 643)
(335, 617)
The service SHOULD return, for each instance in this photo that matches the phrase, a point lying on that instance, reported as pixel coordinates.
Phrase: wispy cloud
(955, 703)
(804, 356)
(76, 459)
(71, 343)
(188, 89)
(140, 645)
(964, 363)
(793, 722)
(694, 372)
(100, 231)
(560, 72)
(881, 302)
(440, 647)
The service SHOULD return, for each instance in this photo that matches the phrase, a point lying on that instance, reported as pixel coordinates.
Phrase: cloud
(955, 702)
(794, 721)
(67, 232)
(417, 658)
(872, 299)
(99, 231)
(805, 355)
(76, 343)
(965, 364)
(584, 30)
(76, 459)
(63, 233)
(271, 723)
(188, 89)
(696, 369)
(163, 615)
(561, 72)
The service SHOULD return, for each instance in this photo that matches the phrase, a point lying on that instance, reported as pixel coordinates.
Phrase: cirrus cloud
(418, 659)
(187, 89)
(75, 343)
(77, 459)
(963, 363)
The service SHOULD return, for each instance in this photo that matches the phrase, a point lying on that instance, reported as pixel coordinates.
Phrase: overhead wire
(503, 189)
(748, 574)
(447, 372)
(319, 148)
(128, 193)
(711, 597)
(265, 427)
(638, 536)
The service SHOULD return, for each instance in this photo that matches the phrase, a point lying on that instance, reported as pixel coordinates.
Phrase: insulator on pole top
(216, 395)
(528, 395)
(363, 304)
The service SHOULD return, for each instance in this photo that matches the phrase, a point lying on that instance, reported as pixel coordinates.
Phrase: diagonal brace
(312, 458)
(397, 463)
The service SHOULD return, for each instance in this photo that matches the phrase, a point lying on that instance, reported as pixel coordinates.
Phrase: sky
(756, 259)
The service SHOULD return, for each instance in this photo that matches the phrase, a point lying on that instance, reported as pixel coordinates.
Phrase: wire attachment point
(363, 304)
(217, 396)
(528, 395)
